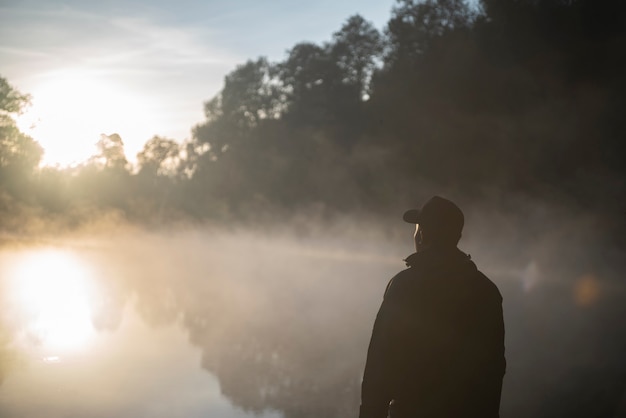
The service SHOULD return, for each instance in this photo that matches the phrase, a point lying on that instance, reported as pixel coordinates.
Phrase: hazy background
(206, 321)
(256, 249)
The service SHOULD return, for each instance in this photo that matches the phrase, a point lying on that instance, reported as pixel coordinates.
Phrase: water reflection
(232, 325)
(279, 335)
(48, 293)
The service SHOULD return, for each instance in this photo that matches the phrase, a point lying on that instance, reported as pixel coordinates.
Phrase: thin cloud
(187, 43)
(83, 38)
(25, 52)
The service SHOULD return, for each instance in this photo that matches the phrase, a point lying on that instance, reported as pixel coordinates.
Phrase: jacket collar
(435, 258)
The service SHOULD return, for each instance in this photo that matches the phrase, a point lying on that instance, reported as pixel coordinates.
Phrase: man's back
(437, 348)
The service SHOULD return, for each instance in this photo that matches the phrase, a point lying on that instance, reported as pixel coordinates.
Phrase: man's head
(439, 223)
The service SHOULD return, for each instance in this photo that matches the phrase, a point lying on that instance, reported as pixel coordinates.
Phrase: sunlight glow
(51, 291)
(70, 110)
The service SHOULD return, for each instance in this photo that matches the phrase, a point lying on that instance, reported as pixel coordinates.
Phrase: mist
(280, 315)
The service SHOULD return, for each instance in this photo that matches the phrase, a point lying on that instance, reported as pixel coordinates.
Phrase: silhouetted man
(437, 348)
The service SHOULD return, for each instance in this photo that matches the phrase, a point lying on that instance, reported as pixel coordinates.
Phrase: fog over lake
(275, 321)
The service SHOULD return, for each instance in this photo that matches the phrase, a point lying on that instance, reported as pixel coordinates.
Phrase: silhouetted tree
(356, 47)
(415, 25)
(159, 157)
(19, 153)
(311, 79)
(251, 94)
(104, 182)
(111, 152)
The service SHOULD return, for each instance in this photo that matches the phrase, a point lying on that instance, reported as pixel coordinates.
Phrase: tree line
(503, 96)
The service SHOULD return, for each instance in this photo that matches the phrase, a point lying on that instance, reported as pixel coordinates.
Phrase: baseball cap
(438, 214)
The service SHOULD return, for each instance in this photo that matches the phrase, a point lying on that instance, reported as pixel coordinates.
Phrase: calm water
(241, 325)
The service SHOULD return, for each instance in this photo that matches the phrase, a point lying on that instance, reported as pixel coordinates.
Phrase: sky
(141, 68)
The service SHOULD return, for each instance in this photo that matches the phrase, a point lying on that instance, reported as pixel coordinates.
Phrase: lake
(202, 322)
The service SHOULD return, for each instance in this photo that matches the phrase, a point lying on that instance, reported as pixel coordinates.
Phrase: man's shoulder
(487, 286)
(403, 282)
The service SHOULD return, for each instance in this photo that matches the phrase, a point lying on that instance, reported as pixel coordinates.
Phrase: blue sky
(141, 68)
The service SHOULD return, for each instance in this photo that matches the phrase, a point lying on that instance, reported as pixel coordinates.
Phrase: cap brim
(411, 216)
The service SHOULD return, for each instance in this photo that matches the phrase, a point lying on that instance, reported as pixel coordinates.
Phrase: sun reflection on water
(50, 293)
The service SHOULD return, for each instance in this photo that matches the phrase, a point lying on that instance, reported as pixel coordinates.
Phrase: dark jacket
(437, 348)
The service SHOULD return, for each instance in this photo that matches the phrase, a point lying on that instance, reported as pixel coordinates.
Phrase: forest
(487, 101)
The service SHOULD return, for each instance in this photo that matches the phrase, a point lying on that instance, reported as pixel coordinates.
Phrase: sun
(50, 293)
(72, 108)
